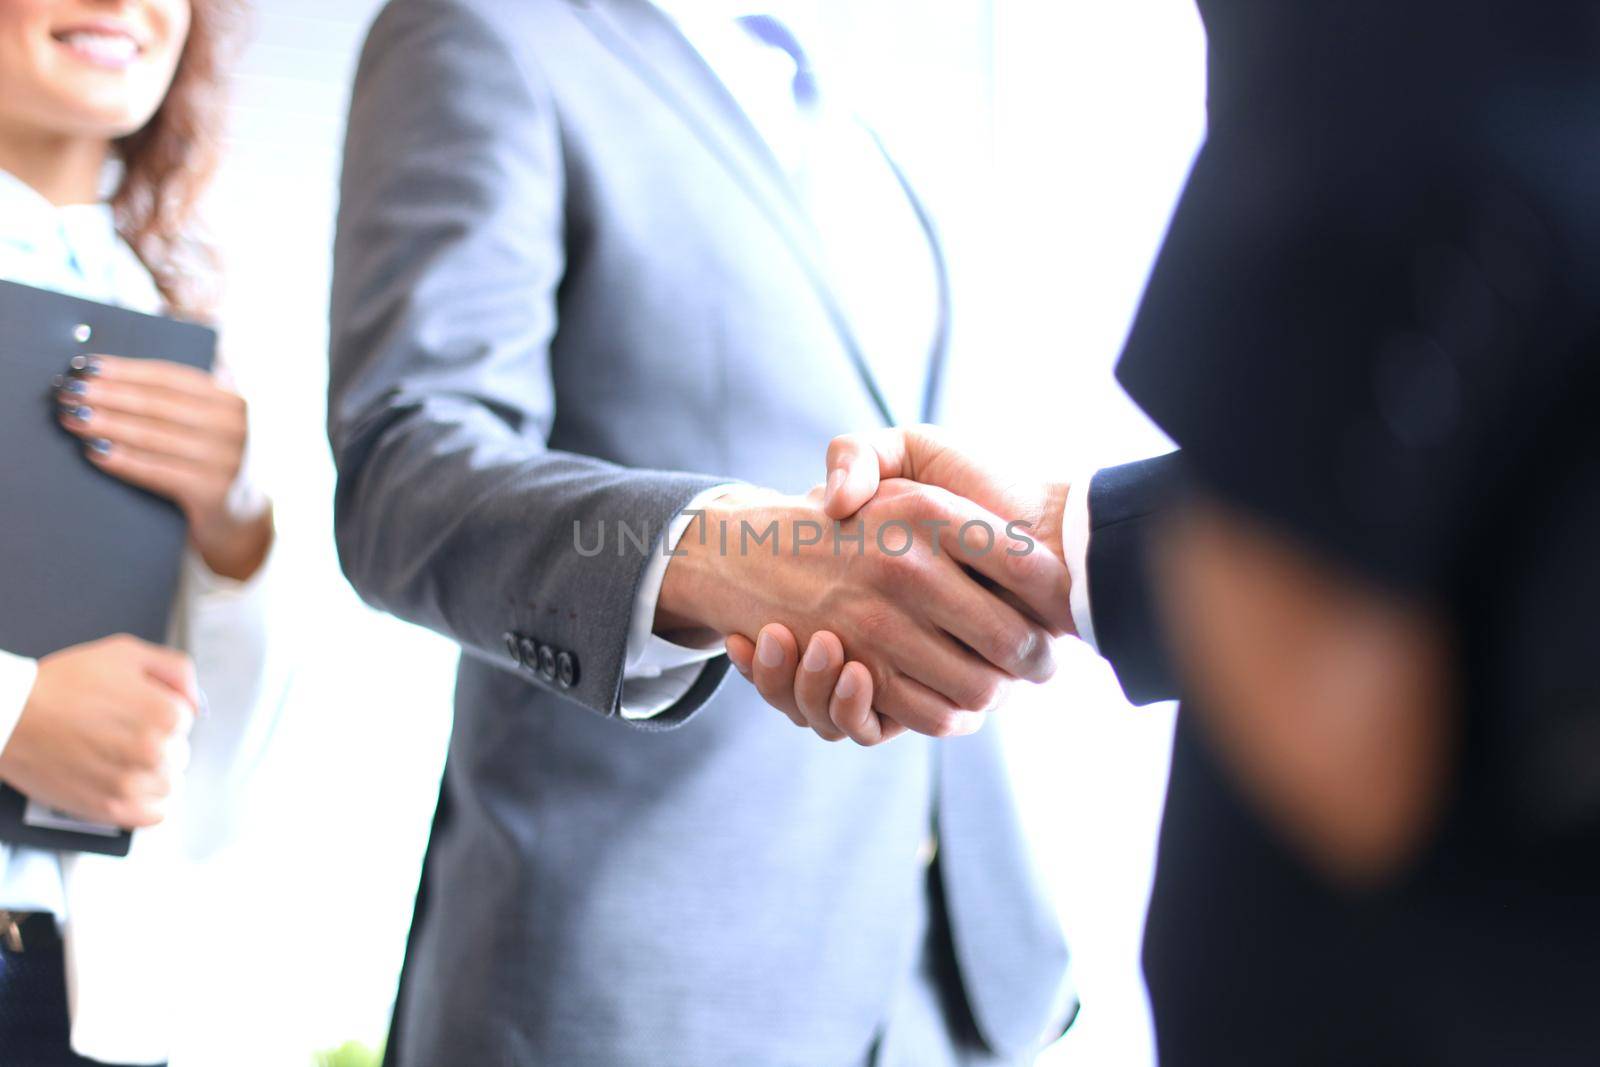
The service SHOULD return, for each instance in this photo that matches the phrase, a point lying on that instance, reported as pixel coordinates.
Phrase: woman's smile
(109, 44)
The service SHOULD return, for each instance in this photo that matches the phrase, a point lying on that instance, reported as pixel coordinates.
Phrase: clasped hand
(927, 639)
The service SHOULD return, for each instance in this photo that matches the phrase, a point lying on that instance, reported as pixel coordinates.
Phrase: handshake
(918, 582)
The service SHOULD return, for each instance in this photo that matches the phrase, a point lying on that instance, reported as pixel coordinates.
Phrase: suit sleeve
(452, 511)
(1359, 326)
(1125, 505)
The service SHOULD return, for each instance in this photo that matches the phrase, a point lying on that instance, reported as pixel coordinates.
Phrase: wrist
(19, 677)
(1049, 525)
(698, 585)
(234, 545)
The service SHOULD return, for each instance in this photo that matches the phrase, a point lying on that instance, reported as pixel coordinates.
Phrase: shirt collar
(27, 218)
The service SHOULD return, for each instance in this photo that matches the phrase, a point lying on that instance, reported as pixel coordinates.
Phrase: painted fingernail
(100, 445)
(768, 649)
(816, 657)
(847, 686)
(81, 412)
(85, 365)
(76, 386)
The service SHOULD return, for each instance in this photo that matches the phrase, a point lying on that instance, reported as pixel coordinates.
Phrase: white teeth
(103, 47)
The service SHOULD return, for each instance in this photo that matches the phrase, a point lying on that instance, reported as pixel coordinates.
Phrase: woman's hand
(180, 433)
(104, 735)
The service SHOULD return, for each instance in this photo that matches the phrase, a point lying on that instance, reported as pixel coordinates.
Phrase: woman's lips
(104, 48)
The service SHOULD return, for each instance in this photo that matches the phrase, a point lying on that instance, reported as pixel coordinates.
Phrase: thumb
(857, 462)
(174, 670)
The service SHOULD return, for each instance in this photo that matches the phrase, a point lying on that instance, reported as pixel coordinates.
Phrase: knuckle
(1007, 646)
(984, 693)
(163, 720)
(125, 790)
(885, 682)
(896, 566)
(945, 724)
(147, 750)
(878, 619)
(118, 812)
(1020, 568)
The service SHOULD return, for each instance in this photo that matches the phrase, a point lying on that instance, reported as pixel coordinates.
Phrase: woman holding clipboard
(126, 94)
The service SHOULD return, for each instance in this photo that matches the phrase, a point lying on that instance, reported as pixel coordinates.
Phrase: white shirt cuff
(17, 674)
(659, 673)
(1075, 545)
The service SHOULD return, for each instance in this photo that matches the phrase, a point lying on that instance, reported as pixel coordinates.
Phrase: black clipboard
(82, 555)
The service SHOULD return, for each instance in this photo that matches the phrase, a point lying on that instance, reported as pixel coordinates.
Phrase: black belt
(34, 1029)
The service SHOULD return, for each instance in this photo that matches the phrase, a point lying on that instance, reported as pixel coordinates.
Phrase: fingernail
(816, 657)
(75, 385)
(81, 412)
(847, 686)
(768, 649)
(835, 481)
(100, 445)
(85, 365)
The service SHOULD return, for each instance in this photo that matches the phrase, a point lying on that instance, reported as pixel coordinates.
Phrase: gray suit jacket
(567, 272)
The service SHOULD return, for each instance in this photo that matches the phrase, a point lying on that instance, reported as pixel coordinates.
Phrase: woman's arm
(1327, 697)
(184, 434)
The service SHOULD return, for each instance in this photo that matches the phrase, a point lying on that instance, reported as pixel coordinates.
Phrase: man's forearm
(454, 522)
(1126, 504)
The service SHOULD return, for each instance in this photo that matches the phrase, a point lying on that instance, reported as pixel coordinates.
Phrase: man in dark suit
(588, 293)
(1372, 330)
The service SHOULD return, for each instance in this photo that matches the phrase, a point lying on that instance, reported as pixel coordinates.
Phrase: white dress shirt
(876, 249)
(124, 920)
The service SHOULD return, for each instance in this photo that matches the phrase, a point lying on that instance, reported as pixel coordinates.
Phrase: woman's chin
(105, 116)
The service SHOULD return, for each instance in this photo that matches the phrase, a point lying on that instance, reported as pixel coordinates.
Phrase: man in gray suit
(587, 291)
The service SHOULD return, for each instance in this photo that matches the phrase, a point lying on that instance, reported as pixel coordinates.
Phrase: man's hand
(859, 463)
(104, 735)
(835, 698)
(902, 585)
(818, 691)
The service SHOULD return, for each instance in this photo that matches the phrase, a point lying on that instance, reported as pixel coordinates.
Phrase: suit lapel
(939, 354)
(645, 39)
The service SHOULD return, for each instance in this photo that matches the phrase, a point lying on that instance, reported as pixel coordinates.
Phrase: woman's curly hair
(168, 164)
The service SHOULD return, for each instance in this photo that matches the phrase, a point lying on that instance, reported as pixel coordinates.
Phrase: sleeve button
(566, 670)
(547, 663)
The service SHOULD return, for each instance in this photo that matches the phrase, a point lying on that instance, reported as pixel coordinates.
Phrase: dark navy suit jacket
(1373, 326)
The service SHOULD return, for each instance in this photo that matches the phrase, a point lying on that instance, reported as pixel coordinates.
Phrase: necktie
(771, 31)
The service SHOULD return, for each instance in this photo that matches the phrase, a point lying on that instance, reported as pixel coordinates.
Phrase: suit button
(514, 647)
(530, 652)
(566, 670)
(547, 663)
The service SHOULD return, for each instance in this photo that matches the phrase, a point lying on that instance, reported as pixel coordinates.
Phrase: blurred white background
(1051, 139)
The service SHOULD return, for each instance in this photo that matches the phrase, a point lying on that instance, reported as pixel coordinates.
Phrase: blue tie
(771, 31)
